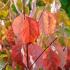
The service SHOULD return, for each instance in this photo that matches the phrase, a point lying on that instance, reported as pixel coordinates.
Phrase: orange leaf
(26, 30)
(48, 23)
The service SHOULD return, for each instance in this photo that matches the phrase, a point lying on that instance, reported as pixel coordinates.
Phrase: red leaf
(48, 60)
(48, 23)
(67, 65)
(51, 60)
(17, 57)
(26, 30)
(35, 51)
(10, 36)
(62, 52)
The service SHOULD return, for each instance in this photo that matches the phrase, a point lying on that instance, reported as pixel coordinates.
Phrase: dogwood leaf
(26, 29)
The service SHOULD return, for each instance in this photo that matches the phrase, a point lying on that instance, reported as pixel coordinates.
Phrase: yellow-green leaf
(8, 67)
(3, 14)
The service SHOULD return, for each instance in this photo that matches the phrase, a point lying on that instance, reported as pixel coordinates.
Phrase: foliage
(34, 35)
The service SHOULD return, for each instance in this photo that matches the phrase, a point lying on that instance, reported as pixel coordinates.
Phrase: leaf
(47, 23)
(67, 42)
(17, 67)
(5, 1)
(64, 2)
(67, 65)
(10, 35)
(14, 8)
(3, 55)
(2, 64)
(26, 30)
(3, 14)
(7, 23)
(16, 55)
(19, 4)
(8, 67)
(1, 4)
(30, 4)
(67, 31)
(51, 60)
(66, 6)
(61, 40)
(34, 52)
(48, 1)
(40, 3)
(62, 52)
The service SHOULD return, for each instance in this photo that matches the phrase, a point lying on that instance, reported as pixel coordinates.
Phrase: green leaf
(14, 8)
(61, 40)
(19, 4)
(3, 14)
(30, 4)
(68, 11)
(27, 10)
(40, 3)
(67, 31)
(2, 64)
(17, 67)
(7, 23)
(40, 68)
(64, 2)
(66, 6)
(3, 55)
(8, 67)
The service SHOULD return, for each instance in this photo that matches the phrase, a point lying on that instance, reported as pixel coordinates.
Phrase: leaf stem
(27, 57)
(24, 8)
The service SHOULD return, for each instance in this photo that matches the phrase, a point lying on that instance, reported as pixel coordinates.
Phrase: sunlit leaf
(67, 42)
(26, 29)
(3, 14)
(48, 1)
(48, 23)
(19, 4)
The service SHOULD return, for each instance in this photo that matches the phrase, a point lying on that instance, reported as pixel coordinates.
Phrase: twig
(43, 52)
